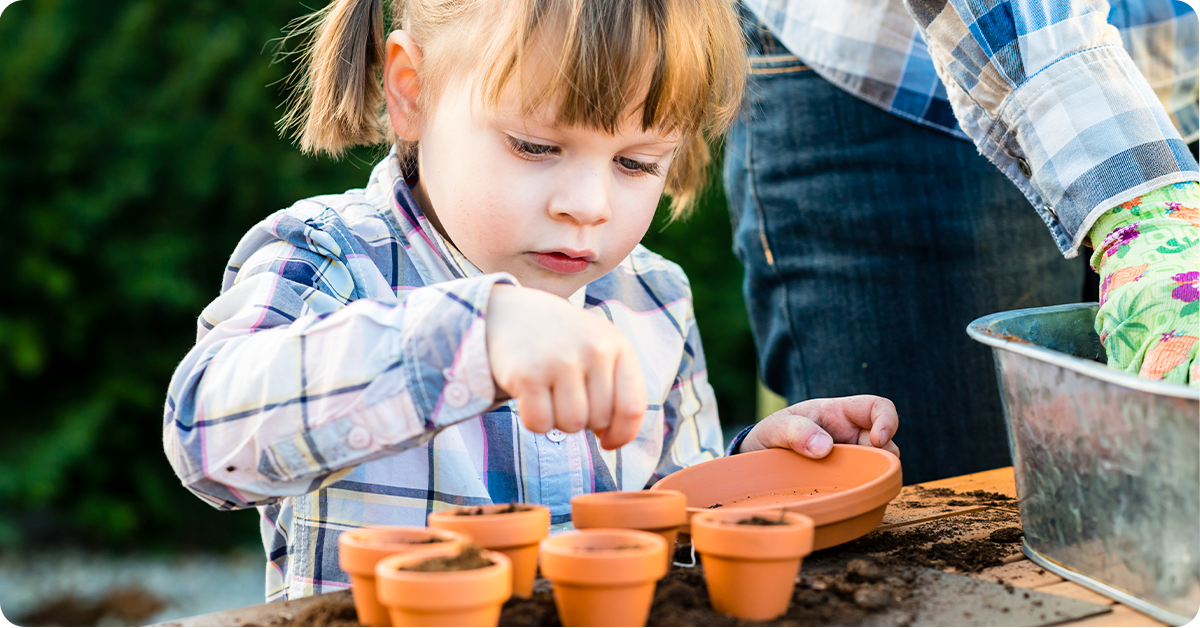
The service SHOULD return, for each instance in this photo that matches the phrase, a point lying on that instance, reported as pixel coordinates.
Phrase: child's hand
(812, 427)
(566, 368)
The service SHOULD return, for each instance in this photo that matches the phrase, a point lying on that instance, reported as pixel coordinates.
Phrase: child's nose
(582, 197)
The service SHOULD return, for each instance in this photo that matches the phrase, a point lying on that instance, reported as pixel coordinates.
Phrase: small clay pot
(846, 493)
(660, 512)
(750, 570)
(472, 597)
(359, 550)
(516, 534)
(604, 576)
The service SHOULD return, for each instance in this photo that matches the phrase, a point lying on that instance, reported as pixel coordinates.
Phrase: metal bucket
(1107, 464)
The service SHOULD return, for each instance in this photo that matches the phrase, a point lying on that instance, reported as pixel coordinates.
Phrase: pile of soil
(468, 558)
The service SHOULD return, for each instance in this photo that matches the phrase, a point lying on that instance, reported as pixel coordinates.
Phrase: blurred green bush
(138, 145)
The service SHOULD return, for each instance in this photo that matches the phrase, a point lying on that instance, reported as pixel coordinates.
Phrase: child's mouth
(561, 262)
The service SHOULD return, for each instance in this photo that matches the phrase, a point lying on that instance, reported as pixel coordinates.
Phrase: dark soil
(468, 512)
(468, 558)
(432, 539)
(762, 521)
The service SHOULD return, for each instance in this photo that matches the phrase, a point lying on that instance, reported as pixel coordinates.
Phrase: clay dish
(845, 493)
(515, 534)
(472, 597)
(359, 550)
(660, 512)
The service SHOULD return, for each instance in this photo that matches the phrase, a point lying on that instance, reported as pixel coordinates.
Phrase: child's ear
(401, 83)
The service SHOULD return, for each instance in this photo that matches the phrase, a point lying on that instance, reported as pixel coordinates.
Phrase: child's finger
(533, 404)
(600, 395)
(629, 401)
(570, 401)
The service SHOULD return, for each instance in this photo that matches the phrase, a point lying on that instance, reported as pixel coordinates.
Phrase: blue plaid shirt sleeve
(294, 380)
(1049, 95)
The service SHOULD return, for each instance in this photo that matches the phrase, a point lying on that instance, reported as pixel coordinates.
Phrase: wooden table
(1022, 572)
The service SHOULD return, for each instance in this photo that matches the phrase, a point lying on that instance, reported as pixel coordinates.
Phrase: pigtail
(337, 98)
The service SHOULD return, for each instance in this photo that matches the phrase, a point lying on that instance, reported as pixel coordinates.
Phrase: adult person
(872, 232)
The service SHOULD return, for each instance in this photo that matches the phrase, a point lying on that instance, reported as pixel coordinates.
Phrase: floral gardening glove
(1149, 269)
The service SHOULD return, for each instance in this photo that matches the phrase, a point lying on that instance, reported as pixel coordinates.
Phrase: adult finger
(629, 401)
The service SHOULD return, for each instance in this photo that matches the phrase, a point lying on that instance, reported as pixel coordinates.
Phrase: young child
(443, 336)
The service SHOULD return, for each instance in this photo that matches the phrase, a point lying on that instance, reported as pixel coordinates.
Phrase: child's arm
(286, 386)
(812, 427)
(303, 368)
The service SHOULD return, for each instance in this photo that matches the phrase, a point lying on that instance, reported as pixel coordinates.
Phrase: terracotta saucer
(845, 493)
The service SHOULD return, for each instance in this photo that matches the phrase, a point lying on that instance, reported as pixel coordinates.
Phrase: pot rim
(643, 510)
(496, 530)
(440, 590)
(718, 534)
(370, 544)
(562, 561)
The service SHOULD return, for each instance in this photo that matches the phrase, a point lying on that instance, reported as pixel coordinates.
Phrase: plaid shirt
(1043, 87)
(342, 379)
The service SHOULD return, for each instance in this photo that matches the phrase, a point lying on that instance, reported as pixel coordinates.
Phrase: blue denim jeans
(869, 243)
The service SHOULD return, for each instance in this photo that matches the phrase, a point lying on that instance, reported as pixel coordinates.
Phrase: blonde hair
(688, 52)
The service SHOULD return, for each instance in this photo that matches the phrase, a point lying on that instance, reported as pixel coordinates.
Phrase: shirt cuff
(446, 366)
(1083, 135)
(736, 444)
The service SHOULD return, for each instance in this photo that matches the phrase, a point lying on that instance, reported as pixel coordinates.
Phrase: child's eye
(638, 168)
(528, 149)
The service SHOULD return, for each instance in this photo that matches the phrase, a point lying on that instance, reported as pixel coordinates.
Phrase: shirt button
(1023, 166)
(556, 435)
(456, 394)
(358, 438)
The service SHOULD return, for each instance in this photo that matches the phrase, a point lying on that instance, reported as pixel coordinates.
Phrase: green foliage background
(136, 146)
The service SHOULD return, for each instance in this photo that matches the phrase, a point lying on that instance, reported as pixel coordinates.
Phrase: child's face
(556, 207)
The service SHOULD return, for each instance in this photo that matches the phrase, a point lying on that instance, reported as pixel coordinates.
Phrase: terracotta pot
(604, 576)
(444, 598)
(845, 493)
(359, 551)
(660, 512)
(750, 570)
(516, 534)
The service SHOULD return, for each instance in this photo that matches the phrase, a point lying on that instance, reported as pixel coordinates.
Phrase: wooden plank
(1066, 588)
(1121, 615)
(995, 481)
(1024, 574)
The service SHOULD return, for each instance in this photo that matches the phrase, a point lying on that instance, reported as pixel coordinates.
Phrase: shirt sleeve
(293, 381)
(692, 432)
(1049, 95)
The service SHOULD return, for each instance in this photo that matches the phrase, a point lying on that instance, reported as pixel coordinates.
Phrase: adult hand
(812, 427)
(566, 368)
(1149, 302)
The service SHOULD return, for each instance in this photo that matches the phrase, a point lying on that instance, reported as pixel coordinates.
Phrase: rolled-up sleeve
(1049, 95)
